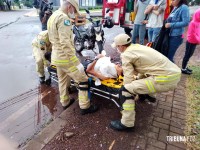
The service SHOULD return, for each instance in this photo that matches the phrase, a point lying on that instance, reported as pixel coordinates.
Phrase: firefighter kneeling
(156, 74)
(41, 45)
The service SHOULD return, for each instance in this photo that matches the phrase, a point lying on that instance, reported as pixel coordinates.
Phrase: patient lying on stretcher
(102, 68)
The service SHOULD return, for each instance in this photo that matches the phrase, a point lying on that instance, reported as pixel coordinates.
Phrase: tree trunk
(8, 4)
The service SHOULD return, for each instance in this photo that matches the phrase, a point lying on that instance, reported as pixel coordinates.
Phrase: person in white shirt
(155, 9)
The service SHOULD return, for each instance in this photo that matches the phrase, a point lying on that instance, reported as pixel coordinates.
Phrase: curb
(48, 133)
(31, 14)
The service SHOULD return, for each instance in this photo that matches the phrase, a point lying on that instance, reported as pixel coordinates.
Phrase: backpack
(161, 42)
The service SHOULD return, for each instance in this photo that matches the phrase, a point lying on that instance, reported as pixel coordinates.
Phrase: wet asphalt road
(16, 62)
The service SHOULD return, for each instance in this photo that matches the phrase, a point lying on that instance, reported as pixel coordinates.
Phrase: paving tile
(183, 112)
(157, 114)
(177, 115)
(164, 107)
(179, 99)
(163, 135)
(177, 130)
(165, 103)
(169, 99)
(183, 103)
(162, 120)
(150, 147)
(156, 143)
(141, 143)
(154, 129)
(153, 135)
(167, 114)
(179, 107)
(171, 147)
(160, 125)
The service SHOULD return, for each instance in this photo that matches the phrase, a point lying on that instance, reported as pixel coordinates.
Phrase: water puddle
(25, 115)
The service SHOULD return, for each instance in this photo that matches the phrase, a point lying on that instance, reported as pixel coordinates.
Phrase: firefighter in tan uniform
(41, 45)
(158, 72)
(63, 56)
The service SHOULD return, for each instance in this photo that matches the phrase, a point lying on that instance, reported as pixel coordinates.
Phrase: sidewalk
(154, 122)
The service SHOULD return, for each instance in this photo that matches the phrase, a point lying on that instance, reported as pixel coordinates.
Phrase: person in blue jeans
(139, 27)
(177, 20)
(155, 10)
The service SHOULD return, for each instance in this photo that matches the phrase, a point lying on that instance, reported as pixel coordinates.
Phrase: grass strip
(193, 108)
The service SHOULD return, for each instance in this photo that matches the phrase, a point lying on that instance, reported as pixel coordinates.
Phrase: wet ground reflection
(25, 115)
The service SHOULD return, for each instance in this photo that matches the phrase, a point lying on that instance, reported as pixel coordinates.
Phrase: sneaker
(91, 109)
(189, 69)
(185, 71)
(70, 103)
(118, 126)
(42, 80)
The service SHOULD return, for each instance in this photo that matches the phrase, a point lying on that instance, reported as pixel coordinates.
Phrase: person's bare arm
(148, 9)
(97, 74)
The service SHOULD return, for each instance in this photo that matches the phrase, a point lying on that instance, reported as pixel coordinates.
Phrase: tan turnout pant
(149, 85)
(65, 73)
(41, 62)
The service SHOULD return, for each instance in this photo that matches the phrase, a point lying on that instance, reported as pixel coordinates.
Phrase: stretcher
(108, 89)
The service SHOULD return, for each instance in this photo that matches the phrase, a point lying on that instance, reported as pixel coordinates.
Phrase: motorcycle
(85, 37)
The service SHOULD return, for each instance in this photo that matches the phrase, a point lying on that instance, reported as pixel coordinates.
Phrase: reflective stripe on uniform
(74, 59)
(150, 86)
(128, 106)
(63, 98)
(58, 62)
(72, 69)
(82, 98)
(167, 78)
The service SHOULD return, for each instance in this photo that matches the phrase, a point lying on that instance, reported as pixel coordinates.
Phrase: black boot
(185, 71)
(142, 97)
(70, 103)
(117, 125)
(48, 81)
(91, 109)
(42, 80)
(190, 70)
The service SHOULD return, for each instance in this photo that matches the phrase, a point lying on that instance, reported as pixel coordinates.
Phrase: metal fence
(87, 3)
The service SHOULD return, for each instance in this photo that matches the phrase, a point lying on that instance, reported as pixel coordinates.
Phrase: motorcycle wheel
(79, 45)
(100, 46)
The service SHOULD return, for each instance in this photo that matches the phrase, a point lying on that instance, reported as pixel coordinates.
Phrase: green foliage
(28, 3)
(17, 3)
(1, 2)
(194, 2)
(91, 8)
(193, 108)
